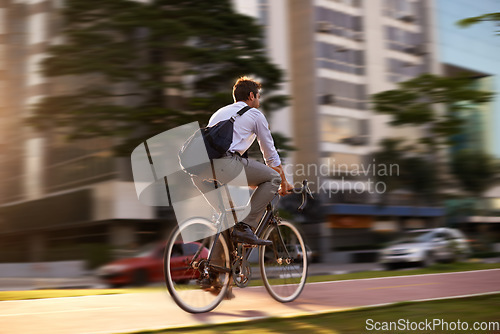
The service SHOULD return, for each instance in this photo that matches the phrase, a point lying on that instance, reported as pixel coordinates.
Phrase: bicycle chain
(241, 269)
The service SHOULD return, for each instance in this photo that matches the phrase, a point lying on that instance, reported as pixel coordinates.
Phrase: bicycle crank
(240, 268)
(241, 273)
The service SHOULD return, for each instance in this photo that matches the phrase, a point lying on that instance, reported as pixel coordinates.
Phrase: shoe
(229, 294)
(216, 290)
(243, 233)
(208, 283)
(214, 286)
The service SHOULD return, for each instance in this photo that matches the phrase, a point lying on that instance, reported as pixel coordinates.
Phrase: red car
(147, 266)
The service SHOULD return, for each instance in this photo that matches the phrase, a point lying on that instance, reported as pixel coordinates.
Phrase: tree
(432, 102)
(476, 171)
(146, 67)
(490, 17)
(416, 173)
(390, 152)
(435, 104)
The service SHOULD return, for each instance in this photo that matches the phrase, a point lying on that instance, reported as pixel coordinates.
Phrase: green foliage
(283, 144)
(390, 152)
(145, 67)
(490, 17)
(417, 173)
(458, 207)
(420, 176)
(416, 102)
(474, 170)
(436, 104)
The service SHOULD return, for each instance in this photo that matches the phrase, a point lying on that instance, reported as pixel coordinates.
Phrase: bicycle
(198, 280)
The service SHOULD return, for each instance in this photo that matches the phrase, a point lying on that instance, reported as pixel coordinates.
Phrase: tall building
(359, 48)
(473, 51)
(54, 196)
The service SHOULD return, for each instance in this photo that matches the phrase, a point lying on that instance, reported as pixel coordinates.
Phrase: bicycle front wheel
(283, 265)
(195, 285)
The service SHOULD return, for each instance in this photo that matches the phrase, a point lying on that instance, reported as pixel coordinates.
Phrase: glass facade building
(475, 49)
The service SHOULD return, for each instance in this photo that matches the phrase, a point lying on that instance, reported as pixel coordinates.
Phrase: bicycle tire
(182, 277)
(284, 280)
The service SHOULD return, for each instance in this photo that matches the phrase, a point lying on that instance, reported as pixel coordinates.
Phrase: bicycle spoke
(284, 264)
(194, 284)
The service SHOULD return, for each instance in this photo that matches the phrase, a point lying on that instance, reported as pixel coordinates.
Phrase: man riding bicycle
(269, 178)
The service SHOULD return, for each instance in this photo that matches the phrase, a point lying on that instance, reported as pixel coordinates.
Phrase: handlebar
(305, 191)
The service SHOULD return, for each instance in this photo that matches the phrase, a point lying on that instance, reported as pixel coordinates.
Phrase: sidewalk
(29, 283)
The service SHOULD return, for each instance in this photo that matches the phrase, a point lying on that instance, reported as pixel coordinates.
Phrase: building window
(338, 23)
(342, 94)
(334, 129)
(404, 10)
(352, 3)
(404, 41)
(79, 163)
(339, 58)
(344, 130)
(398, 70)
(263, 12)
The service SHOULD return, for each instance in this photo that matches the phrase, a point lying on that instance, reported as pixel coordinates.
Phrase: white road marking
(399, 286)
(404, 276)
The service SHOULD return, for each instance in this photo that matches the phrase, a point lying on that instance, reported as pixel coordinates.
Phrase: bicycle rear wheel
(283, 265)
(195, 285)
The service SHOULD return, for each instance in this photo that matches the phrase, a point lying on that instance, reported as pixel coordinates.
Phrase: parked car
(425, 247)
(147, 266)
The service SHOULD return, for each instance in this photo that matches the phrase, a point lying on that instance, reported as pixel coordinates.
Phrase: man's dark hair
(243, 87)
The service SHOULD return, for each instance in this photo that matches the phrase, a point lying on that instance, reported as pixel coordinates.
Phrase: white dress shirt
(251, 125)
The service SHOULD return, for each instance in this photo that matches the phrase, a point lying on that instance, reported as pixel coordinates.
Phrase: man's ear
(251, 96)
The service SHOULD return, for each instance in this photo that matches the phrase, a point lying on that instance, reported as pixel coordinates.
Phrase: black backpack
(215, 139)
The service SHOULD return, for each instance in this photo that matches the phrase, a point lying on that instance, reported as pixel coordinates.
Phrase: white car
(296, 252)
(425, 247)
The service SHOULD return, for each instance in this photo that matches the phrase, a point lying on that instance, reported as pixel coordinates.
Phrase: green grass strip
(468, 310)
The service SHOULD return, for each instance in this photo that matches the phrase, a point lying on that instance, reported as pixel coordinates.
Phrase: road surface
(147, 311)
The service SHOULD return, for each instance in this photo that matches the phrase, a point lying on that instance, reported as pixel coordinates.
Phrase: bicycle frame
(264, 223)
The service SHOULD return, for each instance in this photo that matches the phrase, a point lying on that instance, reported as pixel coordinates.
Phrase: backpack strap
(244, 110)
(240, 113)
